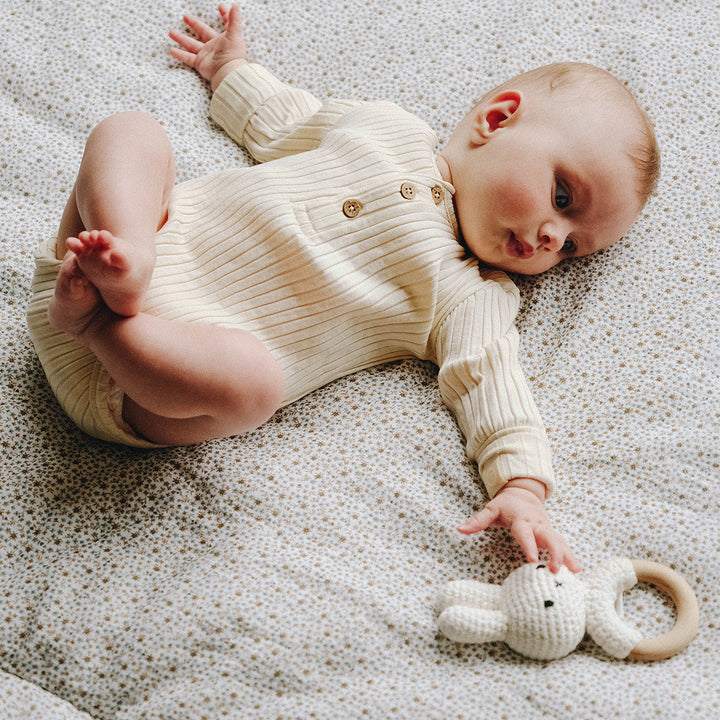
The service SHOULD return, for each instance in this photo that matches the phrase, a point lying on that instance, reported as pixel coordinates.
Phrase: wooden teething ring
(686, 625)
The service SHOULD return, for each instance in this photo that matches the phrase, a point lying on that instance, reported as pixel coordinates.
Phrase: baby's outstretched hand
(212, 54)
(522, 511)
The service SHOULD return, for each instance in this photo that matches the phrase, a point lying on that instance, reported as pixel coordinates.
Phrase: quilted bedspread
(294, 572)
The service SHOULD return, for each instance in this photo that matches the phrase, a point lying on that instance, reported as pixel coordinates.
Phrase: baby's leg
(212, 382)
(183, 382)
(119, 200)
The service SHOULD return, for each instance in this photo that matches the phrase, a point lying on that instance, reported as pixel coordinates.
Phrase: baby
(171, 314)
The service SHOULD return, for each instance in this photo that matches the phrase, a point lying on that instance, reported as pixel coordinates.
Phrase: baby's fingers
(186, 42)
(201, 29)
(479, 521)
(525, 535)
(559, 550)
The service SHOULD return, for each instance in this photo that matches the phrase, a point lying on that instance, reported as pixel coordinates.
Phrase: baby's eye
(563, 196)
(569, 247)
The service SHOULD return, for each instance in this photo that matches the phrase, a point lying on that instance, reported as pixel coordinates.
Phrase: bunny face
(545, 611)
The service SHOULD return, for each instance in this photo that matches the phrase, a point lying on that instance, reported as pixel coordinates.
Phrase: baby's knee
(127, 119)
(259, 383)
(131, 125)
(263, 397)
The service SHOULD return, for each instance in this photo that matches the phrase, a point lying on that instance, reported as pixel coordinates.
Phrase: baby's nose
(552, 236)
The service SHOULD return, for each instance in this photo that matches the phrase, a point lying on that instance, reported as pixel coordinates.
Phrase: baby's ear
(494, 114)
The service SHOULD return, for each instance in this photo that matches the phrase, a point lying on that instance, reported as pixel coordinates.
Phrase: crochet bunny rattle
(545, 616)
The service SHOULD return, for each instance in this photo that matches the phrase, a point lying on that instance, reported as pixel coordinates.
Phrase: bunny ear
(470, 612)
(605, 586)
(471, 593)
(473, 625)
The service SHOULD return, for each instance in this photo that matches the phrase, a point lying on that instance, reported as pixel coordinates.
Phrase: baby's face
(553, 181)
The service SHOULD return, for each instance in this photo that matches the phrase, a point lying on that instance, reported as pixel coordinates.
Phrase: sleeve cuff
(515, 453)
(240, 94)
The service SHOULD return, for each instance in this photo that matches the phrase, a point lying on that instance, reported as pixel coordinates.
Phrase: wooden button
(437, 193)
(351, 208)
(407, 190)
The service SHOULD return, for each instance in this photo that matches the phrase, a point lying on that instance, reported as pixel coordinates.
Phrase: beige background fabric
(294, 573)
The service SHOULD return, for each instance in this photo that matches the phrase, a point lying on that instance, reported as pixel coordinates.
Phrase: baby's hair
(645, 155)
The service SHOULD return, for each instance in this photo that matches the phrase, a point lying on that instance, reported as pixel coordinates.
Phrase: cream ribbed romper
(339, 251)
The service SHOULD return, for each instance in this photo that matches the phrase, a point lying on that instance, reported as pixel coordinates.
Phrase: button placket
(351, 208)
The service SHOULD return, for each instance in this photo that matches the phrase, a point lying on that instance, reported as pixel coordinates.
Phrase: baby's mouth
(518, 248)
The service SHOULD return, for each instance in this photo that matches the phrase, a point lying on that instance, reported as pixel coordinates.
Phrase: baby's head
(553, 164)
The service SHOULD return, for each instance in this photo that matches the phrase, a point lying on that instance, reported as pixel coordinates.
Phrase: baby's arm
(519, 507)
(214, 55)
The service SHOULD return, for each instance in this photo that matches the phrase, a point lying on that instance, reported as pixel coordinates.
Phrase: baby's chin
(516, 268)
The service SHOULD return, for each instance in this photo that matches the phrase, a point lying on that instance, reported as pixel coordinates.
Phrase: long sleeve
(476, 347)
(268, 117)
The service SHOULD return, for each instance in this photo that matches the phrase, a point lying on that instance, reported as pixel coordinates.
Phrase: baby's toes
(72, 284)
(75, 244)
(97, 240)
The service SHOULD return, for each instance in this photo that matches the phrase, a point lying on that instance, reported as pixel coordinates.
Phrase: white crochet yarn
(605, 586)
(540, 614)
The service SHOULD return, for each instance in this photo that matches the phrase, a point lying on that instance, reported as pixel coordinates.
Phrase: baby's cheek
(516, 198)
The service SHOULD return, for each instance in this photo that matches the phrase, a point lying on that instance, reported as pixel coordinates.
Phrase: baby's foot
(76, 303)
(118, 268)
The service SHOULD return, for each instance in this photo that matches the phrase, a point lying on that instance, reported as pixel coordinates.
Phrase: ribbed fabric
(273, 250)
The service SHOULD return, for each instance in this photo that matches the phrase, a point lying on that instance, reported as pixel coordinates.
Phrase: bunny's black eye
(539, 567)
(549, 603)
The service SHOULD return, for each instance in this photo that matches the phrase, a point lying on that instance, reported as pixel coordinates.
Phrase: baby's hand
(522, 511)
(214, 54)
